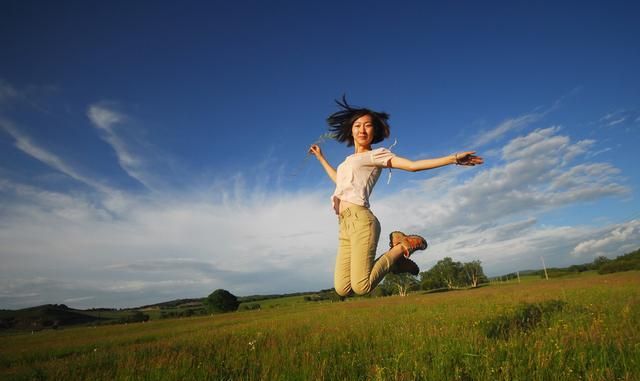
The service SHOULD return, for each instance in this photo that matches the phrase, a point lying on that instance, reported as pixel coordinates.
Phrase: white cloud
(104, 118)
(493, 215)
(121, 249)
(535, 144)
(622, 237)
(580, 148)
(167, 247)
(595, 174)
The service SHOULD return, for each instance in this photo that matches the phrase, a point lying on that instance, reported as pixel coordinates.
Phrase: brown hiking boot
(395, 238)
(410, 243)
(404, 265)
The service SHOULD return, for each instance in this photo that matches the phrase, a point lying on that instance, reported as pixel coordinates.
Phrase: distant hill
(45, 316)
(59, 315)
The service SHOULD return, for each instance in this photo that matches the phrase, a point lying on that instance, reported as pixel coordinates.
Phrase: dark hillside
(45, 316)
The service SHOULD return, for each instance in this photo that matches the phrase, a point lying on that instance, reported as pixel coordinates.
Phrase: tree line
(446, 274)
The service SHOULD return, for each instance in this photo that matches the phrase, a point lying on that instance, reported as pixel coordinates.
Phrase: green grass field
(579, 328)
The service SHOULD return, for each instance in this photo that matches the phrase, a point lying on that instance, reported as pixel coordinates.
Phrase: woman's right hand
(315, 150)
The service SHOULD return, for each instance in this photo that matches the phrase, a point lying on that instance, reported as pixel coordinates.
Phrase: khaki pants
(356, 269)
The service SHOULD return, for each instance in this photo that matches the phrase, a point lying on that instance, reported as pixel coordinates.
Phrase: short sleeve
(380, 157)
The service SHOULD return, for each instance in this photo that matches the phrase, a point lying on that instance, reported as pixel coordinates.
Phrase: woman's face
(363, 131)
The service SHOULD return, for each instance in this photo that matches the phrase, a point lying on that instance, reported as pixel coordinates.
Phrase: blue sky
(156, 150)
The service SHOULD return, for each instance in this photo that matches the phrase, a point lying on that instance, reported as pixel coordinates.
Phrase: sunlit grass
(594, 336)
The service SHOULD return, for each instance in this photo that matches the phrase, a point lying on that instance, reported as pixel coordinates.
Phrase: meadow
(580, 328)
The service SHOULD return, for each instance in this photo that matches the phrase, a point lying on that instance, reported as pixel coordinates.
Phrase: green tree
(473, 272)
(598, 262)
(222, 301)
(398, 284)
(448, 272)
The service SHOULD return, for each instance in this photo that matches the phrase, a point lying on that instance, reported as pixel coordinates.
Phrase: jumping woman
(359, 230)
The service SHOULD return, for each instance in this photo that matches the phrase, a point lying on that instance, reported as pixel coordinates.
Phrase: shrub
(619, 265)
(249, 307)
(222, 301)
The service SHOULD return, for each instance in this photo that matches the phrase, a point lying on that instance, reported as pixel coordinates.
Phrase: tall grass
(594, 335)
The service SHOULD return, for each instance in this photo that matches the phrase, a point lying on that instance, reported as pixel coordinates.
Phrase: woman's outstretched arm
(462, 158)
(317, 152)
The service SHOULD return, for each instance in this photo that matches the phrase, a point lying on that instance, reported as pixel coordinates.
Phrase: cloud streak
(107, 120)
(619, 117)
(520, 122)
(507, 126)
(25, 144)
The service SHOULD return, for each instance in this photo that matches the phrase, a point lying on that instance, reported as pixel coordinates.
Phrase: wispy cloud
(506, 126)
(106, 119)
(518, 123)
(617, 121)
(10, 95)
(618, 117)
(25, 144)
(155, 169)
(7, 92)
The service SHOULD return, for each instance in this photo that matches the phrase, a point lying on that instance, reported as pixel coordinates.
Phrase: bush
(525, 318)
(329, 294)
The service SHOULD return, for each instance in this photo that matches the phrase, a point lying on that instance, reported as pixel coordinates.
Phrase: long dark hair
(340, 122)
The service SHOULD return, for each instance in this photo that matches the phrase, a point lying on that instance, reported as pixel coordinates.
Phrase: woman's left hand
(468, 158)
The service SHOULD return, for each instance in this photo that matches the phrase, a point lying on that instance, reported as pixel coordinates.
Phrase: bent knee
(362, 289)
(343, 290)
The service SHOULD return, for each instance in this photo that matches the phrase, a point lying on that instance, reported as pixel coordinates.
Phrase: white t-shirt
(357, 175)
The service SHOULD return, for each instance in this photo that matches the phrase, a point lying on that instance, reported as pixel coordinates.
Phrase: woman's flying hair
(340, 122)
